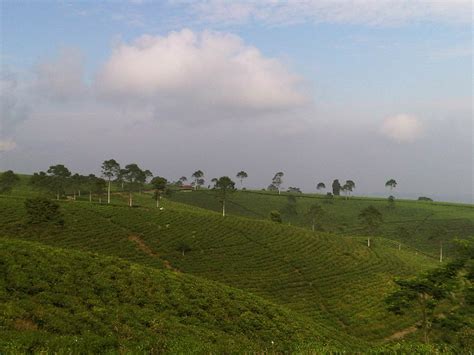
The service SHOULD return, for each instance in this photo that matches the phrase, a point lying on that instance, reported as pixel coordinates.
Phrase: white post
(223, 208)
(108, 193)
(440, 251)
(368, 242)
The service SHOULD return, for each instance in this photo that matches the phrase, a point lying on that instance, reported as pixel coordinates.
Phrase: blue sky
(356, 80)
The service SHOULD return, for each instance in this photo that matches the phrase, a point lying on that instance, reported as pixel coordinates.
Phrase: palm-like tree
(392, 183)
(241, 175)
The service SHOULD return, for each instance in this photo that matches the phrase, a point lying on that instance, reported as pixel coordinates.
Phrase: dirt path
(402, 333)
(140, 243)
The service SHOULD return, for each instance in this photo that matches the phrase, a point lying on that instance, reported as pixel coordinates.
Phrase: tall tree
(314, 214)
(320, 186)
(134, 178)
(371, 219)
(336, 187)
(159, 184)
(241, 175)
(8, 180)
(59, 175)
(442, 298)
(198, 178)
(224, 186)
(110, 170)
(348, 187)
(182, 180)
(278, 180)
(391, 183)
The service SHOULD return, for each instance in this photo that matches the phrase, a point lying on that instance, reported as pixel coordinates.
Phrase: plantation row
(337, 282)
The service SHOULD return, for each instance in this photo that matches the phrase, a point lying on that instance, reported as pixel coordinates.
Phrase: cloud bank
(186, 71)
(402, 128)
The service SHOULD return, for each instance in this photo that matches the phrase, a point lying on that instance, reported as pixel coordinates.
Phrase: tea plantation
(183, 277)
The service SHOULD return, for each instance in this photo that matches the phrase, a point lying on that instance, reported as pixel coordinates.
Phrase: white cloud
(212, 73)
(402, 128)
(7, 145)
(365, 12)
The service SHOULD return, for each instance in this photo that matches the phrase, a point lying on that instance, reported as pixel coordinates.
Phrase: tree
(372, 219)
(290, 208)
(272, 188)
(241, 175)
(275, 216)
(391, 201)
(159, 184)
(328, 199)
(98, 187)
(336, 187)
(110, 169)
(120, 178)
(320, 186)
(59, 179)
(181, 181)
(315, 212)
(224, 187)
(134, 178)
(391, 183)
(214, 181)
(183, 247)
(197, 175)
(441, 297)
(292, 189)
(40, 210)
(7, 181)
(278, 180)
(75, 183)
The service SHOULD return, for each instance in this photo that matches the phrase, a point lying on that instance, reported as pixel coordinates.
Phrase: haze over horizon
(317, 89)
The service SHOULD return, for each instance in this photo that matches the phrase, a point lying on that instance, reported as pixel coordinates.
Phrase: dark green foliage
(328, 198)
(198, 179)
(391, 201)
(8, 180)
(278, 180)
(290, 208)
(320, 186)
(336, 188)
(314, 214)
(371, 218)
(183, 247)
(441, 297)
(423, 198)
(40, 210)
(292, 189)
(275, 216)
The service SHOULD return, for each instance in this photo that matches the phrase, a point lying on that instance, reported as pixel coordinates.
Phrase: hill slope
(336, 281)
(53, 299)
(419, 224)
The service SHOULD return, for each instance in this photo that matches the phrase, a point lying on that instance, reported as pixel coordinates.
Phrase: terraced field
(335, 281)
(55, 300)
(418, 224)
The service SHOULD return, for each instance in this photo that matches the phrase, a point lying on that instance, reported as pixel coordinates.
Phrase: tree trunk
(157, 201)
(130, 201)
(74, 196)
(440, 251)
(108, 193)
(100, 200)
(90, 196)
(57, 196)
(313, 224)
(368, 242)
(79, 191)
(223, 208)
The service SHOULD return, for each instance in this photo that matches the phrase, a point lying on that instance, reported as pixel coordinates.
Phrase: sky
(318, 89)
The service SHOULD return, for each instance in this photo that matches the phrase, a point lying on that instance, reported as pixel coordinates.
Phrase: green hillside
(336, 281)
(419, 224)
(61, 300)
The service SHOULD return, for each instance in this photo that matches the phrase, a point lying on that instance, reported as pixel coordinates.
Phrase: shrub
(41, 210)
(275, 216)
